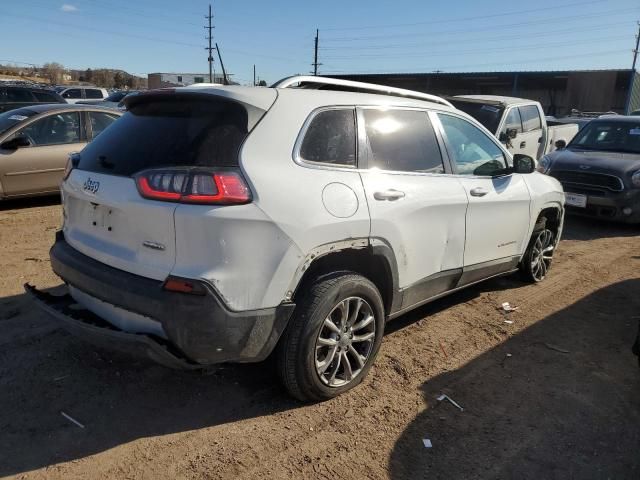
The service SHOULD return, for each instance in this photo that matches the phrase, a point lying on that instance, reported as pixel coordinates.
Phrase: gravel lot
(555, 394)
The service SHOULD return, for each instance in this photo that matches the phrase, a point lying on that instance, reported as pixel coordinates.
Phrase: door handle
(390, 195)
(478, 192)
(523, 144)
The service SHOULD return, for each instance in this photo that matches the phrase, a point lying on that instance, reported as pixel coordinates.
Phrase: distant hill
(108, 78)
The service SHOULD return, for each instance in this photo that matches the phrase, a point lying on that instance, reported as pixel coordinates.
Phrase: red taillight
(225, 187)
(182, 285)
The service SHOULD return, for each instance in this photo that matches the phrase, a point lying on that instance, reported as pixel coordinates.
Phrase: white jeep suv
(221, 224)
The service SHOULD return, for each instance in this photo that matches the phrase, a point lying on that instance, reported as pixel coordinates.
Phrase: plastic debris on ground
(506, 307)
(450, 400)
(71, 419)
(427, 443)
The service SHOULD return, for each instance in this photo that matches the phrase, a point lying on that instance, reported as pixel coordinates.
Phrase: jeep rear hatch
(170, 147)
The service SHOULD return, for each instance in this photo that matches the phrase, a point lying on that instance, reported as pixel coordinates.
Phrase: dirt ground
(555, 394)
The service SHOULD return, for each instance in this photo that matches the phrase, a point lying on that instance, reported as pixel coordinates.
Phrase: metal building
(163, 80)
(558, 91)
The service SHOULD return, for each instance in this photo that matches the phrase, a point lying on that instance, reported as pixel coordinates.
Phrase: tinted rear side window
(169, 132)
(331, 138)
(402, 140)
(19, 95)
(93, 93)
(46, 97)
(530, 118)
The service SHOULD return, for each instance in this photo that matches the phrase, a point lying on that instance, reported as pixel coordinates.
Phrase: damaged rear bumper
(200, 329)
(88, 326)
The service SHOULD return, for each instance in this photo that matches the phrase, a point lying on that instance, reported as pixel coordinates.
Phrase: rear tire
(333, 337)
(537, 259)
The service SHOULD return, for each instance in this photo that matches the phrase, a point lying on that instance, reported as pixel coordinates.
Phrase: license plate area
(575, 200)
(101, 216)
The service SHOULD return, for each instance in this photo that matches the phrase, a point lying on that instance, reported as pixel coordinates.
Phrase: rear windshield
(488, 115)
(14, 117)
(171, 132)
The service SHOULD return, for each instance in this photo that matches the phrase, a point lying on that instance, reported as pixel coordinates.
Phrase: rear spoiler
(256, 104)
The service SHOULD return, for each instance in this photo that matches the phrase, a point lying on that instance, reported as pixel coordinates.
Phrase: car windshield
(610, 136)
(488, 115)
(13, 117)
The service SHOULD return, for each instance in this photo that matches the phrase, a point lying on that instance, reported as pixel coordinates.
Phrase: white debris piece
(508, 308)
(71, 419)
(427, 443)
(450, 400)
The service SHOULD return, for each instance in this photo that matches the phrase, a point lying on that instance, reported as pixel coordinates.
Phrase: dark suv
(600, 169)
(17, 97)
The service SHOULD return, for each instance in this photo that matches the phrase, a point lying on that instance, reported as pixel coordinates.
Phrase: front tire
(539, 254)
(333, 337)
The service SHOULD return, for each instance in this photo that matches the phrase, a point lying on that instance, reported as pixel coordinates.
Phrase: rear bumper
(609, 206)
(200, 329)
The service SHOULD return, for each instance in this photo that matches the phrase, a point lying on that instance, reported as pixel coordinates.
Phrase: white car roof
(498, 99)
(263, 97)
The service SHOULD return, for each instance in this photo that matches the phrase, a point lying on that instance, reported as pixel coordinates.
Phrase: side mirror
(561, 144)
(523, 164)
(512, 133)
(15, 143)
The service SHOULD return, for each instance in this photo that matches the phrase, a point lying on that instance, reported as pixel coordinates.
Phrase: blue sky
(146, 36)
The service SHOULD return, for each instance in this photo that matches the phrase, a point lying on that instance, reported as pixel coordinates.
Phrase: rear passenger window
(402, 140)
(100, 121)
(331, 138)
(93, 93)
(530, 118)
(19, 95)
(72, 93)
(46, 97)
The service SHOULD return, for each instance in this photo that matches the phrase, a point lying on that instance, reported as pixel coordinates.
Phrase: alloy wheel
(345, 342)
(542, 254)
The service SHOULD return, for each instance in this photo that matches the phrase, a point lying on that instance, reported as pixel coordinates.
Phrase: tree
(88, 75)
(262, 83)
(118, 80)
(53, 72)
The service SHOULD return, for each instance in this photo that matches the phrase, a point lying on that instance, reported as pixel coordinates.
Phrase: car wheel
(333, 337)
(539, 254)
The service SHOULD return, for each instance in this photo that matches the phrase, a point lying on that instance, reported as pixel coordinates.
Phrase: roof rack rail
(318, 82)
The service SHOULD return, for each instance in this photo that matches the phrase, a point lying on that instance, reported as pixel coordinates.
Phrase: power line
(119, 19)
(607, 13)
(463, 19)
(466, 66)
(483, 50)
(509, 36)
(108, 32)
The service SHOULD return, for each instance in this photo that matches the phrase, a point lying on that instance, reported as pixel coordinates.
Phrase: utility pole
(210, 47)
(632, 74)
(254, 74)
(315, 63)
(225, 80)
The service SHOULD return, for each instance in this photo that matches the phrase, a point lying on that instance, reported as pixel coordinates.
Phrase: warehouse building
(163, 80)
(558, 91)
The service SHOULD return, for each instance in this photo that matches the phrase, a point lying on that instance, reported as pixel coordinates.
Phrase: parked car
(83, 94)
(36, 141)
(221, 224)
(600, 169)
(518, 123)
(12, 97)
(114, 100)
